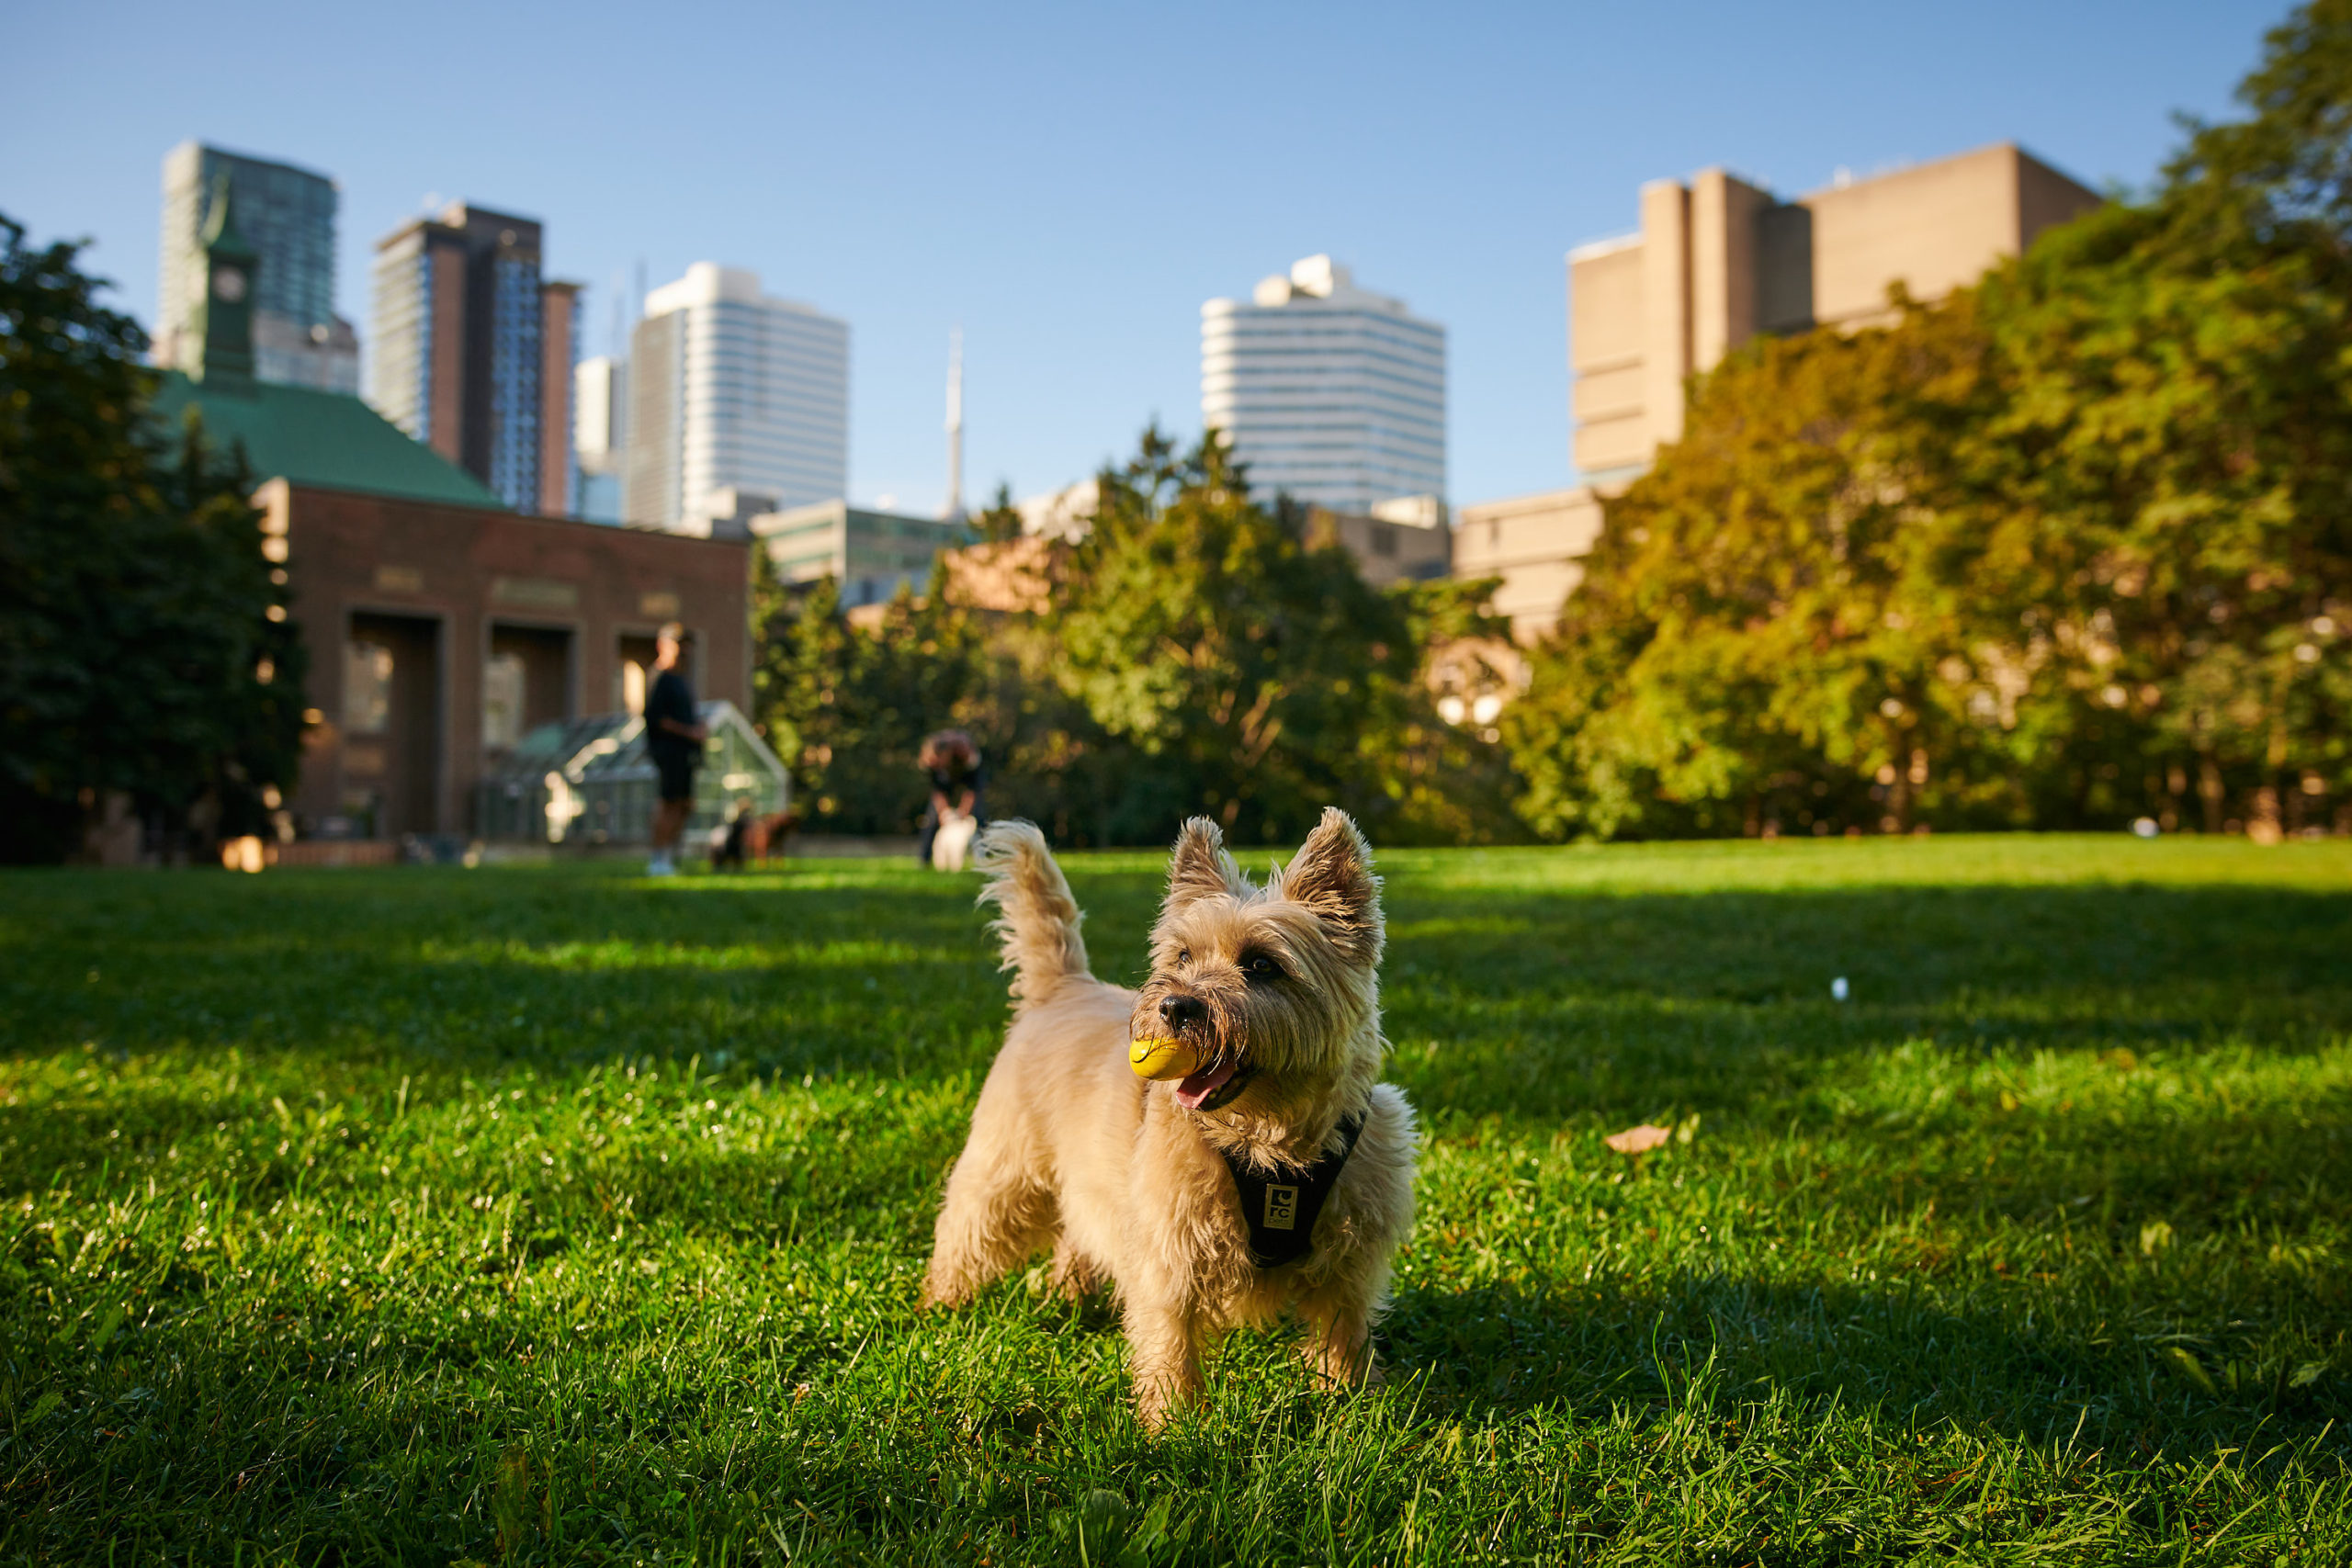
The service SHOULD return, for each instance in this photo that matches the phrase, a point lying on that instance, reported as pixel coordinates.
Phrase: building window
(367, 688)
(502, 700)
(516, 322)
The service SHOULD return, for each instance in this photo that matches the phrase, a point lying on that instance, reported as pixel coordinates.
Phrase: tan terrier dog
(1216, 1146)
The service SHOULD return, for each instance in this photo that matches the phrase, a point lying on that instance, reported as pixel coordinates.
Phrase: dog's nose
(1178, 1011)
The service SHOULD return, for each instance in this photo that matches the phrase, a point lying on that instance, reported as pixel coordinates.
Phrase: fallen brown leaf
(1637, 1140)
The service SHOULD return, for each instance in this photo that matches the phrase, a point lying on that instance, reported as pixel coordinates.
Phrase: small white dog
(952, 844)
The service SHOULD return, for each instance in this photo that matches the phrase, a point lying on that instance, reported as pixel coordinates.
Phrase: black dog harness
(1281, 1208)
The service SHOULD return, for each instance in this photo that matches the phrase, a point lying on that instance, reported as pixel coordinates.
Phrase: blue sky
(1069, 183)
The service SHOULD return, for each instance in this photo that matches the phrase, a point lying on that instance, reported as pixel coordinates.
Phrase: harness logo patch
(1282, 1208)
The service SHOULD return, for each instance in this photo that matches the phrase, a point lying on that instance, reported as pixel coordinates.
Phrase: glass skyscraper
(287, 215)
(1330, 394)
(474, 352)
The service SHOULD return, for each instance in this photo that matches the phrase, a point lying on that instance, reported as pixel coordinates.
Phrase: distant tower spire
(953, 509)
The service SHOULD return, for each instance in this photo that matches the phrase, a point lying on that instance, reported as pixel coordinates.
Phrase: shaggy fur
(1125, 1179)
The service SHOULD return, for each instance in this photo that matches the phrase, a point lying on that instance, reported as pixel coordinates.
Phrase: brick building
(441, 627)
(441, 635)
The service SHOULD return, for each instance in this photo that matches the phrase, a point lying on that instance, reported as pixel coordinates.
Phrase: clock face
(229, 285)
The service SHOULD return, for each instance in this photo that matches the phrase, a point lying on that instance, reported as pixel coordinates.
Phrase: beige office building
(1535, 545)
(1715, 262)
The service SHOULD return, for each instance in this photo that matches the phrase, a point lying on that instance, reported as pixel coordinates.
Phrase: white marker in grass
(1838, 988)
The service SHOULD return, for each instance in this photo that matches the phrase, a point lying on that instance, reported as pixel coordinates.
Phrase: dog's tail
(1036, 916)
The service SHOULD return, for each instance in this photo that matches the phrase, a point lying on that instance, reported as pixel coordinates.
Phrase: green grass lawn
(555, 1215)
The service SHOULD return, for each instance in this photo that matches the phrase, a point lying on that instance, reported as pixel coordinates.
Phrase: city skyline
(1461, 193)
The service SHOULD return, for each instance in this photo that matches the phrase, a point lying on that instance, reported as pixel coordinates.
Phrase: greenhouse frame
(590, 782)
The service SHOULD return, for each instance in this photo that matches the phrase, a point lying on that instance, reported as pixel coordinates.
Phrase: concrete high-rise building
(1717, 261)
(1404, 540)
(473, 352)
(600, 435)
(732, 393)
(287, 215)
(1534, 547)
(1329, 393)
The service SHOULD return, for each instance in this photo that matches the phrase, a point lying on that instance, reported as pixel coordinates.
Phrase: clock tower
(225, 321)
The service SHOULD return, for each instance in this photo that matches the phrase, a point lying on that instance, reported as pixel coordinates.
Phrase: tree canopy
(1195, 654)
(2064, 548)
(145, 646)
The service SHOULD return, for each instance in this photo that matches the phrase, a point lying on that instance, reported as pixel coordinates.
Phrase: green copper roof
(327, 439)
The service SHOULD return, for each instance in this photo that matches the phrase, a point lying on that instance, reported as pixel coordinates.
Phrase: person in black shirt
(673, 737)
(958, 780)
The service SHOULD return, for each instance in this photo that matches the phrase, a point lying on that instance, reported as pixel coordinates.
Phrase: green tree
(1754, 642)
(1000, 521)
(2158, 498)
(1241, 666)
(2287, 167)
(1440, 782)
(847, 705)
(2165, 479)
(1193, 654)
(145, 646)
(2068, 548)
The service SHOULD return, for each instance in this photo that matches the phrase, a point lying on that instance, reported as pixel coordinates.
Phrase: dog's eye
(1258, 966)
(1184, 955)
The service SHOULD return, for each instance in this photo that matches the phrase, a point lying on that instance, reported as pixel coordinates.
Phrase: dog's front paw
(1073, 1277)
(1338, 1366)
(941, 1295)
(1160, 1401)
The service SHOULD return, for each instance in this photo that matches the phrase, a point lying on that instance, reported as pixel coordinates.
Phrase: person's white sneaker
(660, 866)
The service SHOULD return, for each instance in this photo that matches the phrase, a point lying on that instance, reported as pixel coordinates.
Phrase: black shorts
(677, 775)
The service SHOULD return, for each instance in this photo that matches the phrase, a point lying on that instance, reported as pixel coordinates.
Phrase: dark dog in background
(753, 838)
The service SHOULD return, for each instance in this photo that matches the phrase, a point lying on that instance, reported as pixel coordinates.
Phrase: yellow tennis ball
(1160, 1059)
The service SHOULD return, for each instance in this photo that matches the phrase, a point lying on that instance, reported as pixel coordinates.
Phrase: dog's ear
(1200, 866)
(1332, 875)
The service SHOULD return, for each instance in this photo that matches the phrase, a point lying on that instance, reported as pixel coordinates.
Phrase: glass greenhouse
(591, 781)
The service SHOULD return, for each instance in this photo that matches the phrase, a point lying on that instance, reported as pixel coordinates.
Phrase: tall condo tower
(287, 215)
(954, 507)
(737, 404)
(474, 352)
(1329, 393)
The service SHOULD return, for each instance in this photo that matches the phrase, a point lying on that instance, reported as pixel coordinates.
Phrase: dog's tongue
(1194, 1091)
